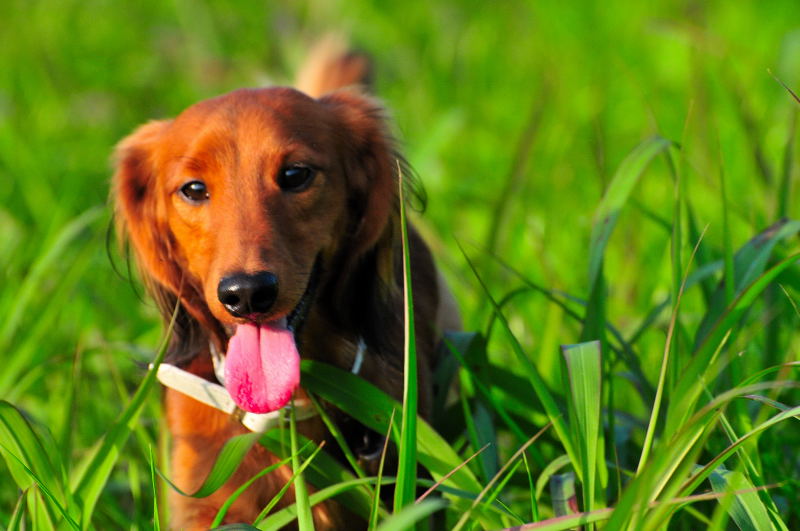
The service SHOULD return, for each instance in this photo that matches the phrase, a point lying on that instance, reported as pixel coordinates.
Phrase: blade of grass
(373, 408)
(729, 279)
(486, 434)
(531, 490)
(784, 192)
(460, 501)
(495, 492)
(376, 497)
(751, 459)
(293, 480)
(748, 263)
(752, 468)
(571, 521)
(516, 175)
(497, 406)
(440, 481)
(156, 521)
(91, 478)
(746, 510)
(465, 517)
(677, 459)
(19, 439)
(594, 320)
(228, 460)
(584, 373)
(337, 435)
(323, 471)
(481, 433)
(288, 514)
(688, 390)
(617, 194)
(40, 516)
(40, 268)
(305, 520)
(223, 509)
(35, 447)
(663, 511)
(619, 190)
(704, 255)
(407, 444)
(654, 413)
(785, 86)
(692, 483)
(17, 519)
(409, 516)
(537, 382)
(71, 409)
(560, 299)
(43, 487)
(768, 401)
(679, 280)
(665, 465)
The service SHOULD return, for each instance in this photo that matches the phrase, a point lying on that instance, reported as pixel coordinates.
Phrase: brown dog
(271, 218)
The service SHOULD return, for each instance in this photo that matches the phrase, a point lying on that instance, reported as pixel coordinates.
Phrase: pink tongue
(262, 366)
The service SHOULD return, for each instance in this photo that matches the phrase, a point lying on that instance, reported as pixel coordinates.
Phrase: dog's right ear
(140, 215)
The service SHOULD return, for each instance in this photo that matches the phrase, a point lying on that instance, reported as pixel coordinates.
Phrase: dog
(269, 218)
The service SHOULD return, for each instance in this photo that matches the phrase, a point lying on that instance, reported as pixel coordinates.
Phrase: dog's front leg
(198, 434)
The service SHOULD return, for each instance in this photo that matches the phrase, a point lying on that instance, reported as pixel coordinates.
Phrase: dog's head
(237, 206)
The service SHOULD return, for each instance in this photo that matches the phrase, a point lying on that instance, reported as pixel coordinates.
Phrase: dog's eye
(195, 191)
(295, 178)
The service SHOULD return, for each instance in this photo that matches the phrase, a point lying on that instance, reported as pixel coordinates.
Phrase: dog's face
(231, 205)
(260, 190)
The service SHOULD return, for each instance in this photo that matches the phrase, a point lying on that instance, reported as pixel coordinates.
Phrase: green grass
(619, 172)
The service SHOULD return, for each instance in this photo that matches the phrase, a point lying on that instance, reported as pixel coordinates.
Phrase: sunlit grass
(576, 156)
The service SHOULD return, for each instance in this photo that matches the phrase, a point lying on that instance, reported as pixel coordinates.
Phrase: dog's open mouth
(262, 364)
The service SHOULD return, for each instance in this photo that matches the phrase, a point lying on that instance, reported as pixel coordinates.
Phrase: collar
(216, 396)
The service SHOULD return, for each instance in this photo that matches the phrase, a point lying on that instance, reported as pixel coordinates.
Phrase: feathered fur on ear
(141, 220)
(137, 206)
(364, 292)
(372, 164)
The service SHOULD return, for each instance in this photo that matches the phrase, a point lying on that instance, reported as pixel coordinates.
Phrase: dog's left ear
(372, 165)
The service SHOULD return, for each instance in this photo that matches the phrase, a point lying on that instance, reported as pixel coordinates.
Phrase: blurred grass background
(515, 114)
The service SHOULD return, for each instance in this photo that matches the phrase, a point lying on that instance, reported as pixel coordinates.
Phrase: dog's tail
(333, 65)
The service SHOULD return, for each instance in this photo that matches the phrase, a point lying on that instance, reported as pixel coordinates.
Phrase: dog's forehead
(256, 118)
(276, 108)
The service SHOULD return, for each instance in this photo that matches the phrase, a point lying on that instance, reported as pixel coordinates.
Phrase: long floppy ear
(137, 210)
(363, 292)
(141, 219)
(372, 165)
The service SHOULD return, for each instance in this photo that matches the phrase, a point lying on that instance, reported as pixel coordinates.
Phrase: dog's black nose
(246, 295)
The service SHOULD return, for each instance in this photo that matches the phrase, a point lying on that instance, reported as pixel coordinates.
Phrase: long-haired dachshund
(270, 218)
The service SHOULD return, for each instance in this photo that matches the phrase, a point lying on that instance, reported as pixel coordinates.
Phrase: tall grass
(612, 198)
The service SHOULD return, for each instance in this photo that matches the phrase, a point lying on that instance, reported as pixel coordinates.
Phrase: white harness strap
(217, 396)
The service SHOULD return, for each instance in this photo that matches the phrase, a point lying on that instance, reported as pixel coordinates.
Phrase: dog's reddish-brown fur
(347, 219)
